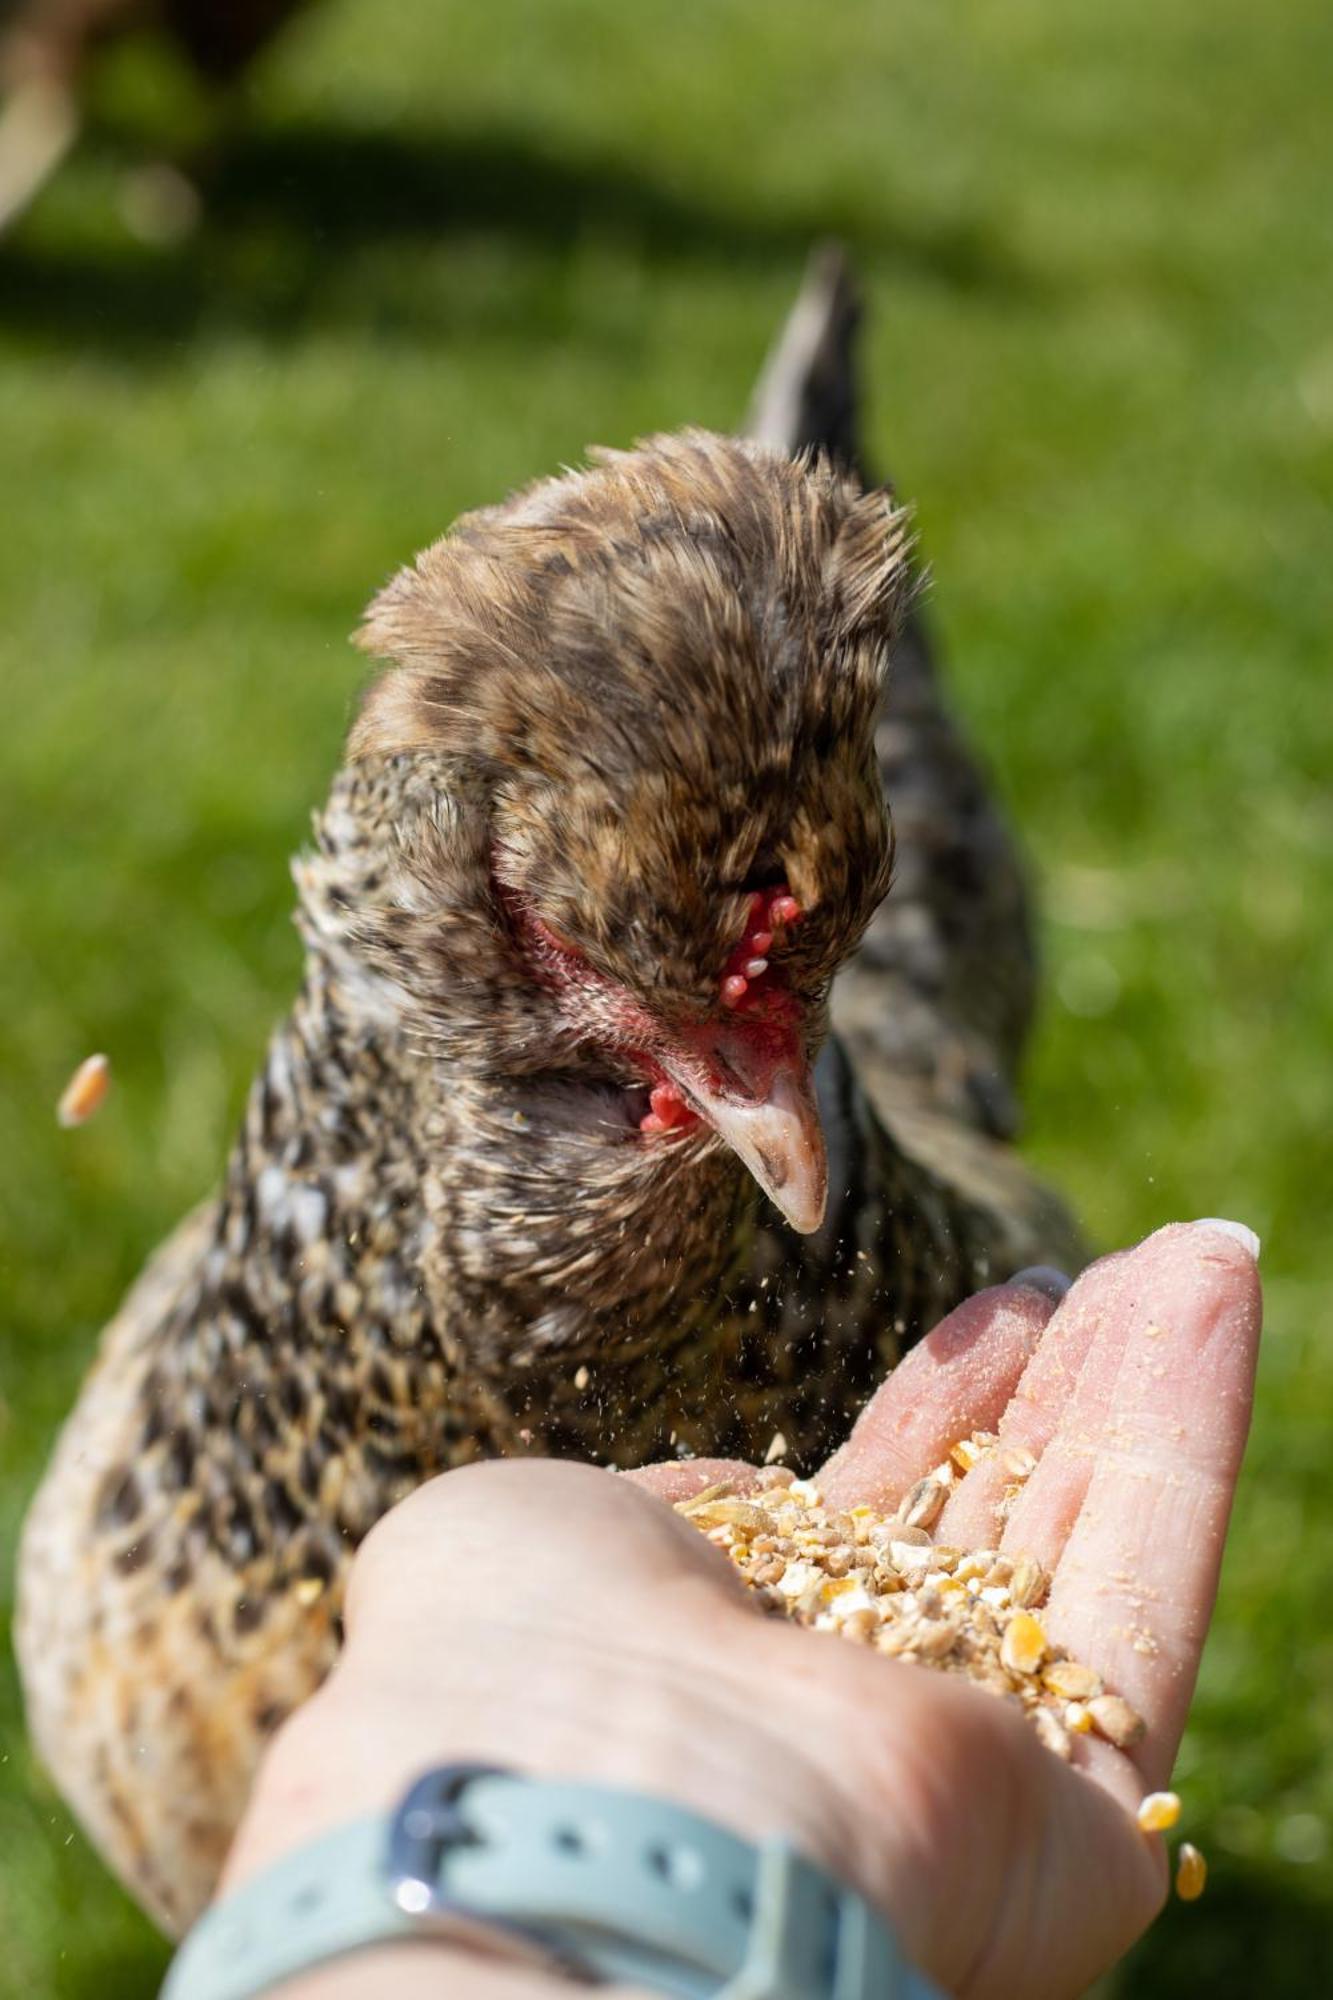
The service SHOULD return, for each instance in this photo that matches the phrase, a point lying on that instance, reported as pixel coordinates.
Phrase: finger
(1134, 1587)
(1119, 1298)
(680, 1479)
(972, 1515)
(957, 1380)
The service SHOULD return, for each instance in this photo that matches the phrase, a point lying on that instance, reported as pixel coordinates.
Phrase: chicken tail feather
(807, 394)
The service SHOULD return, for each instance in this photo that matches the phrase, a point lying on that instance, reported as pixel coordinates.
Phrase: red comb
(771, 911)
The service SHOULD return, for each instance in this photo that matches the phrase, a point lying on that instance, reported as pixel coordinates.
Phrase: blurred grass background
(450, 245)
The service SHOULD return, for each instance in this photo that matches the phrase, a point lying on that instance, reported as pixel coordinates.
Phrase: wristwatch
(601, 1885)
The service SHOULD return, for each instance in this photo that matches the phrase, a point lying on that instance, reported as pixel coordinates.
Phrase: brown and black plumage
(534, 1163)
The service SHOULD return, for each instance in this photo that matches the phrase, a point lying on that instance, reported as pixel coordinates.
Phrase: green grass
(452, 245)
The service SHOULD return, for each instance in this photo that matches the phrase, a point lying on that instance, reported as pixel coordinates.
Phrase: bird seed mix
(885, 1582)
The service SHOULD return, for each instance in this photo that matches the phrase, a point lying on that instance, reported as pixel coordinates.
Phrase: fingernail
(1238, 1230)
(1044, 1278)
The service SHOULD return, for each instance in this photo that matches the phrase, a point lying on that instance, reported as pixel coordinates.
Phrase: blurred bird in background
(47, 48)
(554, 1152)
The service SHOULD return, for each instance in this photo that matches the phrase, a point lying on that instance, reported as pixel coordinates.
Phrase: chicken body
(503, 1181)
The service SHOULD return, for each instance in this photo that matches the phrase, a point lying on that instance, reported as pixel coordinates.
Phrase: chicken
(553, 1153)
(47, 45)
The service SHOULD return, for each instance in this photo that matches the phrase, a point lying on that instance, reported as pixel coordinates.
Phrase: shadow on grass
(307, 222)
(1256, 1932)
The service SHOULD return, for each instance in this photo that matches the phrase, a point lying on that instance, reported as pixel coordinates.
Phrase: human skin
(562, 1620)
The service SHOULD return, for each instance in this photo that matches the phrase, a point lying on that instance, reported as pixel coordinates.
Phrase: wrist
(662, 1728)
(418, 1970)
(593, 1882)
(688, 1731)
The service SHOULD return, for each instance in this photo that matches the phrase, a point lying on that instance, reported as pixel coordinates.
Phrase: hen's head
(629, 726)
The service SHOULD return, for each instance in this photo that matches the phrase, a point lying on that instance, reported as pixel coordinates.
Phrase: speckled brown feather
(622, 697)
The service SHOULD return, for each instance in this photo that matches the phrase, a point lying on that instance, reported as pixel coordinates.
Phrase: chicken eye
(554, 936)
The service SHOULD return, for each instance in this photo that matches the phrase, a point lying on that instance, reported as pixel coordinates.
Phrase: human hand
(552, 1618)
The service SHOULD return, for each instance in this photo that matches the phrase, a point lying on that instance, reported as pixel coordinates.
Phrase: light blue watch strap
(607, 1885)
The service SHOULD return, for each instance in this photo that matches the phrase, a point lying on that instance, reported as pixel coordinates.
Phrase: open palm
(1133, 1395)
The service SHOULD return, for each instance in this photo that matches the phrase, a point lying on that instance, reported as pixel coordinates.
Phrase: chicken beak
(771, 1122)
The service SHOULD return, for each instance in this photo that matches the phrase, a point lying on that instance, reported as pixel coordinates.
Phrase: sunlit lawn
(451, 246)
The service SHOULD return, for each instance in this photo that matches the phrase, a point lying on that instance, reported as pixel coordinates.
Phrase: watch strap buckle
(427, 1824)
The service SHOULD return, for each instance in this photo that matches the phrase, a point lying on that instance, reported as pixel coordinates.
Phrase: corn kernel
(1113, 1718)
(1071, 1680)
(1191, 1873)
(85, 1092)
(1023, 1647)
(1158, 1812)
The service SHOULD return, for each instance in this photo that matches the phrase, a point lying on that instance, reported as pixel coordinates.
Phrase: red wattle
(669, 1112)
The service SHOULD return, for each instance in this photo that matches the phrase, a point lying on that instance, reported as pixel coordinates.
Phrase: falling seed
(85, 1093)
(309, 1589)
(777, 1448)
(1191, 1873)
(1158, 1812)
